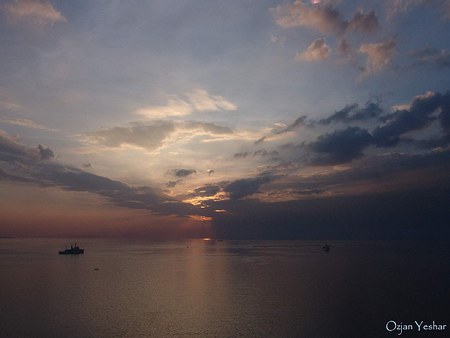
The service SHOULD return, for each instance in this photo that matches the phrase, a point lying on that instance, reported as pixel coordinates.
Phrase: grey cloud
(344, 49)
(354, 113)
(152, 135)
(260, 140)
(395, 7)
(183, 172)
(34, 165)
(432, 57)
(206, 127)
(207, 190)
(241, 155)
(264, 153)
(260, 152)
(247, 186)
(301, 121)
(418, 116)
(10, 150)
(363, 22)
(309, 192)
(341, 146)
(45, 153)
(340, 115)
(172, 184)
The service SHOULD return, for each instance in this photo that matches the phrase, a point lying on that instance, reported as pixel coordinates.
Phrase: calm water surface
(122, 288)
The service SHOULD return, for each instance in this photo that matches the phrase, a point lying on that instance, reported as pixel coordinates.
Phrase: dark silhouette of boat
(74, 250)
(326, 248)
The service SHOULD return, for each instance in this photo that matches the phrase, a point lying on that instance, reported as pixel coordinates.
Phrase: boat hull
(71, 252)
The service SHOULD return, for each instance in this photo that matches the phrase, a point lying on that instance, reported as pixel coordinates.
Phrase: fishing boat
(326, 248)
(74, 250)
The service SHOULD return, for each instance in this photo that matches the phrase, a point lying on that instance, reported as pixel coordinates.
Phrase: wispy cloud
(398, 7)
(379, 55)
(432, 57)
(174, 107)
(24, 123)
(33, 11)
(353, 112)
(195, 100)
(324, 17)
(201, 100)
(153, 135)
(318, 50)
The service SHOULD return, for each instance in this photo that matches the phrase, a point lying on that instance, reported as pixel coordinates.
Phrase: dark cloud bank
(391, 129)
(35, 166)
(411, 214)
(406, 196)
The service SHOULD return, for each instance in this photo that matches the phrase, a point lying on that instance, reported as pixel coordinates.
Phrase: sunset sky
(225, 119)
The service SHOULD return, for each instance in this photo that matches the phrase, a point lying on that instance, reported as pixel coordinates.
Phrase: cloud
(379, 55)
(33, 11)
(174, 107)
(260, 140)
(24, 123)
(172, 184)
(318, 50)
(206, 190)
(447, 9)
(353, 113)
(246, 186)
(363, 22)
(341, 146)
(260, 152)
(152, 136)
(149, 136)
(35, 166)
(182, 172)
(418, 116)
(202, 101)
(344, 50)
(324, 18)
(396, 7)
(432, 57)
(11, 151)
(196, 100)
(209, 128)
(45, 153)
(241, 155)
(299, 122)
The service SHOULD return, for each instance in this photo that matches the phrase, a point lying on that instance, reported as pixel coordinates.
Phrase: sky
(323, 119)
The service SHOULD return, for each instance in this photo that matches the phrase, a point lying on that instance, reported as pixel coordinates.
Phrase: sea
(224, 288)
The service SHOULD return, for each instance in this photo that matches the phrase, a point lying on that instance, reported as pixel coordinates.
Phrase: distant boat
(326, 248)
(74, 250)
